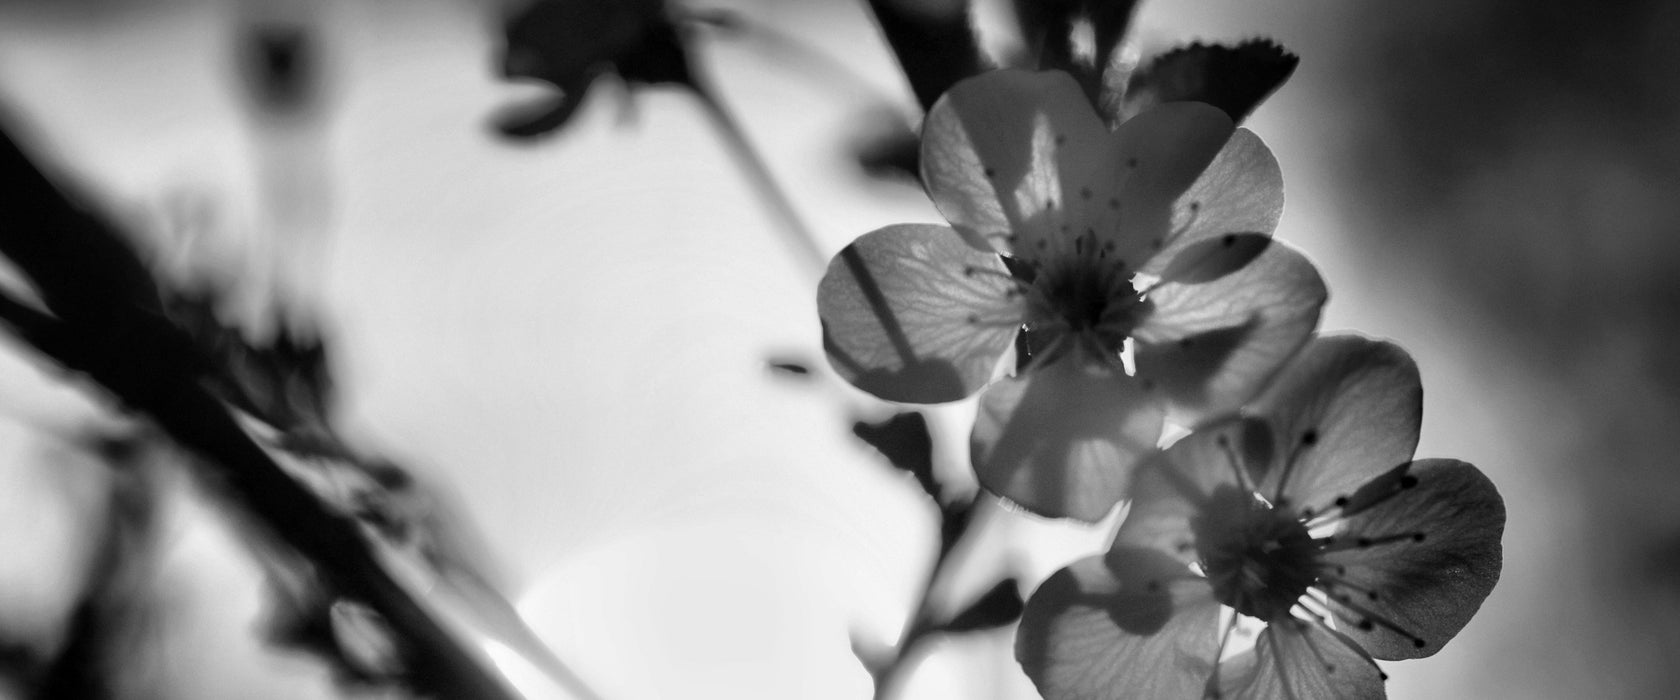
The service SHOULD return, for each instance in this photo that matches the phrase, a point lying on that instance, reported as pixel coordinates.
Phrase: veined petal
(1432, 556)
(1061, 440)
(1346, 409)
(1171, 488)
(912, 313)
(1241, 192)
(1211, 346)
(1142, 626)
(1298, 660)
(1158, 155)
(997, 149)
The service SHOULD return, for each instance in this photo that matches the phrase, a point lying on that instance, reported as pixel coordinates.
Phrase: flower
(1306, 513)
(1135, 268)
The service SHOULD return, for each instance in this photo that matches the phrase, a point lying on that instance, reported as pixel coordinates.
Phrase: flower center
(1084, 299)
(1259, 559)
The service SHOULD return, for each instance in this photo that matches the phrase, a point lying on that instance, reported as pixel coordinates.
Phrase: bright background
(570, 335)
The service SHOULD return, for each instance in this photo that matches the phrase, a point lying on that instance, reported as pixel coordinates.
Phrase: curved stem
(796, 232)
(890, 675)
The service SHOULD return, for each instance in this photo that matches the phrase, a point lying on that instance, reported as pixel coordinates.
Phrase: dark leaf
(1234, 79)
(1000, 606)
(904, 441)
(933, 41)
(570, 43)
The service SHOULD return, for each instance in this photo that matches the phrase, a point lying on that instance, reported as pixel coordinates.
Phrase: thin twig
(770, 191)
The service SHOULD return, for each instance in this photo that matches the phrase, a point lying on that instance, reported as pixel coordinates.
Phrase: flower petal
(1159, 154)
(1061, 440)
(1144, 628)
(912, 313)
(1211, 346)
(997, 148)
(1299, 660)
(1418, 594)
(1345, 410)
(1170, 489)
(1241, 192)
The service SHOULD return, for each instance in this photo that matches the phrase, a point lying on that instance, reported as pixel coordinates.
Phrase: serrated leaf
(1235, 79)
(998, 607)
(905, 442)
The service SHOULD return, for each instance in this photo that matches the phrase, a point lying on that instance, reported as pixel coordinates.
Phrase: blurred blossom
(1132, 271)
(1297, 516)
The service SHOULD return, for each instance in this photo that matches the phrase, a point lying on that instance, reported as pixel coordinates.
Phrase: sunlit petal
(1061, 440)
(1298, 660)
(1240, 192)
(1431, 555)
(1141, 626)
(1160, 154)
(1345, 410)
(912, 313)
(998, 148)
(1209, 347)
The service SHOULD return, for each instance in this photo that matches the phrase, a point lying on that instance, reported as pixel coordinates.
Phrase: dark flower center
(1085, 298)
(1259, 559)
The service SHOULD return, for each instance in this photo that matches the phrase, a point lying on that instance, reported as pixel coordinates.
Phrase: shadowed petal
(1170, 489)
(1142, 627)
(1419, 593)
(1297, 660)
(1240, 192)
(1159, 155)
(1209, 347)
(1061, 441)
(1345, 410)
(998, 148)
(912, 313)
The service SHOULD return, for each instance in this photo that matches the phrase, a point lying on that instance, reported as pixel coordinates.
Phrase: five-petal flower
(1133, 269)
(1306, 513)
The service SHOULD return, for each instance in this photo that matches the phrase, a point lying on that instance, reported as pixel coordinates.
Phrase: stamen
(1309, 438)
(1369, 620)
(1236, 461)
(1352, 646)
(1340, 543)
(1327, 579)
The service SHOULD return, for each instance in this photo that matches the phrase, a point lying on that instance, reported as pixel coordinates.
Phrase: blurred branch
(102, 320)
(933, 42)
(796, 231)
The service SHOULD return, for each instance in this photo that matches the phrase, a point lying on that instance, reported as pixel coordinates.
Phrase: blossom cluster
(1095, 285)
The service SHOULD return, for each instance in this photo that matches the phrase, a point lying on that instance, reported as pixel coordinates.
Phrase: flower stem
(770, 191)
(890, 675)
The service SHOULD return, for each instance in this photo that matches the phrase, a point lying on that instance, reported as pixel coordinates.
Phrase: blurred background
(571, 335)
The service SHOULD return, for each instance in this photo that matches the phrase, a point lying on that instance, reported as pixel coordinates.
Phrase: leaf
(1235, 79)
(998, 607)
(904, 441)
(570, 43)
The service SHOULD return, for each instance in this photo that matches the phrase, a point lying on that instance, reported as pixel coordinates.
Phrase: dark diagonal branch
(102, 321)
